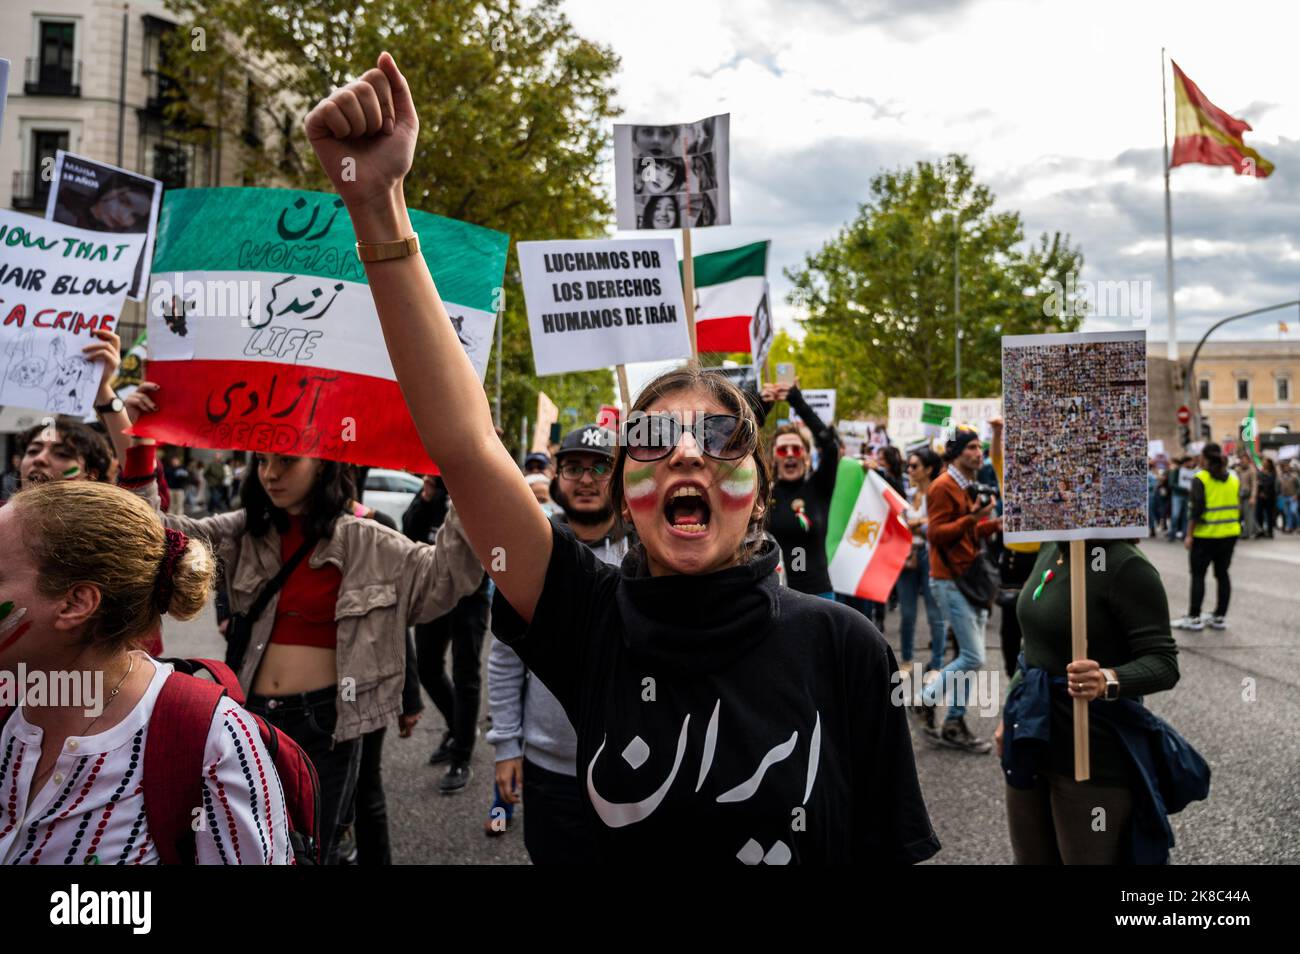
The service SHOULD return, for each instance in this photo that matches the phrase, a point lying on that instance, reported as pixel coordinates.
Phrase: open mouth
(687, 512)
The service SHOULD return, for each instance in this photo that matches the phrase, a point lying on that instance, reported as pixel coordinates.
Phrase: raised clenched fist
(364, 135)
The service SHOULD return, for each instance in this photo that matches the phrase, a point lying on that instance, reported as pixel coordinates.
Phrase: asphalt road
(1237, 702)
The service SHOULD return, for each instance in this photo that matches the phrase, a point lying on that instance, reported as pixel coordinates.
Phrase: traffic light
(1205, 430)
(1184, 435)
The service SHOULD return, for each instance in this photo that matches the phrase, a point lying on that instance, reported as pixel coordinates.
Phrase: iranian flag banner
(867, 539)
(264, 337)
(729, 287)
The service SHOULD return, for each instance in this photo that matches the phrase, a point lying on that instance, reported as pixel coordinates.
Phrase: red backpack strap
(173, 763)
(222, 675)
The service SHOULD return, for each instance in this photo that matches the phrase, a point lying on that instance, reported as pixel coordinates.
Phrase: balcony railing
(52, 79)
(30, 191)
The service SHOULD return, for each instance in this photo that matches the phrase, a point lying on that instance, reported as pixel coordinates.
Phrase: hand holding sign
(364, 136)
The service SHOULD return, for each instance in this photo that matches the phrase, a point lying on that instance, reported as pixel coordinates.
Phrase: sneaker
(955, 735)
(925, 718)
(443, 752)
(456, 779)
(1218, 622)
(1193, 623)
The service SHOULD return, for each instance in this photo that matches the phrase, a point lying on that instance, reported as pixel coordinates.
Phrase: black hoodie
(721, 717)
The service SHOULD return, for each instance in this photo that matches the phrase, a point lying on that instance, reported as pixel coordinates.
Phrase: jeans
(1290, 511)
(371, 813)
(457, 699)
(911, 584)
(968, 626)
(558, 828)
(1178, 517)
(1207, 550)
(309, 718)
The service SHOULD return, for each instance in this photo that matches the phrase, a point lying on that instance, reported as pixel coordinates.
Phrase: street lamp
(1191, 364)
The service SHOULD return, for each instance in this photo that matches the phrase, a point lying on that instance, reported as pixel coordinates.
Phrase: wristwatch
(110, 407)
(384, 251)
(1112, 685)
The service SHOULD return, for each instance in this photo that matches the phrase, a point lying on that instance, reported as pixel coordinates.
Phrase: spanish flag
(1206, 134)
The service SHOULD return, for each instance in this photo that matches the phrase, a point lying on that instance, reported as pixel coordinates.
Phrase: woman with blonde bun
(88, 572)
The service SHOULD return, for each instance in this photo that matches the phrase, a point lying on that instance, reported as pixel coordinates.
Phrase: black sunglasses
(650, 437)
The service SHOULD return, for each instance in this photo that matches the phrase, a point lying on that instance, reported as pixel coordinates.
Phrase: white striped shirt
(91, 809)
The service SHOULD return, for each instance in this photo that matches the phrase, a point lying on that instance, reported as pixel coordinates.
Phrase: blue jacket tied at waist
(1169, 772)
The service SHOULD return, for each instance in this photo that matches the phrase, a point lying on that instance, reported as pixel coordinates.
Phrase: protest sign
(94, 195)
(1075, 436)
(907, 426)
(264, 335)
(821, 400)
(867, 540)
(1288, 452)
(743, 376)
(1155, 448)
(760, 331)
(670, 177)
(596, 304)
(57, 284)
(861, 435)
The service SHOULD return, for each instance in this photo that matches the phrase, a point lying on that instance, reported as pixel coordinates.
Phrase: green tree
(879, 296)
(514, 117)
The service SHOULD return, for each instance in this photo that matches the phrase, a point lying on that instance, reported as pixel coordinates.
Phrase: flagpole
(1172, 345)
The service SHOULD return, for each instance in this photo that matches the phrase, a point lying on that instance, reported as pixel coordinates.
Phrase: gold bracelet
(383, 251)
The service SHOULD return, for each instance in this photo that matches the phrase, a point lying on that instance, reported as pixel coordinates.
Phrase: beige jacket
(389, 583)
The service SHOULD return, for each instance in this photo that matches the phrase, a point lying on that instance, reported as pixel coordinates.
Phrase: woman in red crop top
(326, 658)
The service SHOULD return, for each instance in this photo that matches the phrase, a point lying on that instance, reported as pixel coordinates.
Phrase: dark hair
(1215, 462)
(81, 437)
(326, 501)
(929, 460)
(730, 397)
(893, 460)
(648, 213)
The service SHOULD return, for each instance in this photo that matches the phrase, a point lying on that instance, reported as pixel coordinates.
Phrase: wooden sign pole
(1079, 650)
(688, 291)
(624, 396)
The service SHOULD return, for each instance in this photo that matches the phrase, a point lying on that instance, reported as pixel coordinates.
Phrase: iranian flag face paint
(640, 489)
(12, 626)
(737, 486)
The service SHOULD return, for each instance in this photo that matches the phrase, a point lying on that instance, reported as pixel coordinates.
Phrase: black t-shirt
(723, 718)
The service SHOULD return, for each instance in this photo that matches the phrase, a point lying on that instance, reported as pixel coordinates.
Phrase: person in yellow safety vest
(1215, 524)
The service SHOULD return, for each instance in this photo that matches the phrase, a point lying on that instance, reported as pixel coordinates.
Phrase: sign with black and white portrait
(671, 177)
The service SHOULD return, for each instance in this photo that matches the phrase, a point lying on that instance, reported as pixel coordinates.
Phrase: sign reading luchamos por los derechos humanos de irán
(597, 304)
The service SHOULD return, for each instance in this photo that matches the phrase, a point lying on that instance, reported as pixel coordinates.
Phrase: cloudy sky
(1057, 104)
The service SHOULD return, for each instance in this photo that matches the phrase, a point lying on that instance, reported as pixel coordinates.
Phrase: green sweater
(1128, 631)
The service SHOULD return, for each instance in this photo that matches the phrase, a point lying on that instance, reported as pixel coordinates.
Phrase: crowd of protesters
(657, 593)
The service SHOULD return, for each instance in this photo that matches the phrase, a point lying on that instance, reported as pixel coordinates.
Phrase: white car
(391, 491)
